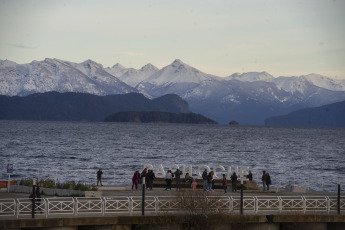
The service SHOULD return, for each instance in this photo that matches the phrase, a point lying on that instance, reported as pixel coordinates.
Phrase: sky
(219, 37)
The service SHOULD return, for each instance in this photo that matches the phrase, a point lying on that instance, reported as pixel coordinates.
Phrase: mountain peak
(149, 67)
(118, 66)
(92, 63)
(7, 63)
(177, 63)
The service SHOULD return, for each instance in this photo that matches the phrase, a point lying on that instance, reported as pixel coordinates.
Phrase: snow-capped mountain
(176, 78)
(301, 83)
(248, 98)
(133, 77)
(117, 70)
(60, 76)
(251, 76)
(326, 82)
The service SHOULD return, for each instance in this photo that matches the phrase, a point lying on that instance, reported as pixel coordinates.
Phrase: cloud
(22, 46)
(129, 53)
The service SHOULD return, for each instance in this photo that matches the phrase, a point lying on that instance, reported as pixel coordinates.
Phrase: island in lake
(159, 117)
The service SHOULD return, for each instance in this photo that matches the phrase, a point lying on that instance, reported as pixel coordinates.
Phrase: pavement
(127, 191)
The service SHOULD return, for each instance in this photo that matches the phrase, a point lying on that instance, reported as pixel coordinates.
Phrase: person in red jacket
(135, 179)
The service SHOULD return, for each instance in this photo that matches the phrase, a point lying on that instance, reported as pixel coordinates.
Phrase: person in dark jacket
(99, 177)
(209, 181)
(168, 179)
(263, 179)
(250, 176)
(268, 181)
(144, 175)
(234, 182)
(151, 177)
(204, 180)
(178, 174)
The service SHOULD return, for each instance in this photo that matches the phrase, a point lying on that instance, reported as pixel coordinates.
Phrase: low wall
(47, 191)
(247, 222)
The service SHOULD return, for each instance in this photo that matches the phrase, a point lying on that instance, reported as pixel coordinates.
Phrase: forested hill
(56, 106)
(159, 117)
(332, 115)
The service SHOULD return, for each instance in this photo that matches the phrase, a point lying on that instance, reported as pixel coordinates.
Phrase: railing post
(103, 205)
(17, 208)
(256, 204)
(328, 204)
(75, 202)
(304, 204)
(230, 204)
(280, 201)
(46, 206)
(156, 204)
(130, 205)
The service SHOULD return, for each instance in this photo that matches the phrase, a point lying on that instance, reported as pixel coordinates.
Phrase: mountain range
(331, 115)
(248, 98)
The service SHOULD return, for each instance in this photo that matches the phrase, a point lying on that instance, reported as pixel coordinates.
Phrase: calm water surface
(312, 157)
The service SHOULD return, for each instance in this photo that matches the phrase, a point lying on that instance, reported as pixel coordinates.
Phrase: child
(224, 182)
(194, 184)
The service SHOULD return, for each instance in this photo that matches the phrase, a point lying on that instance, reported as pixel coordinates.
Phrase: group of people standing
(137, 178)
(266, 181)
(207, 177)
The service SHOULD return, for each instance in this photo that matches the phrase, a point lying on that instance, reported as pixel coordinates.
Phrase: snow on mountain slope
(326, 82)
(178, 72)
(251, 76)
(176, 78)
(292, 84)
(60, 76)
(133, 77)
(117, 70)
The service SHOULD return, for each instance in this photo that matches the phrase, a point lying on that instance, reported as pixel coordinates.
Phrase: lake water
(63, 151)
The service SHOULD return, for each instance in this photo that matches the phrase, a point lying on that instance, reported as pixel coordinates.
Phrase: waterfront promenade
(121, 208)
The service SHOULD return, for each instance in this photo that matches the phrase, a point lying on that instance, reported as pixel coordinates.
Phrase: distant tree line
(159, 117)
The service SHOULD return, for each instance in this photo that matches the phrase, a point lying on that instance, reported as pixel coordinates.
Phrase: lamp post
(34, 181)
(143, 199)
(338, 195)
(241, 193)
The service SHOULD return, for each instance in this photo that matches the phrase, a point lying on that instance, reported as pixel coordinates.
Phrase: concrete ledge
(112, 188)
(309, 218)
(303, 222)
(46, 191)
(93, 193)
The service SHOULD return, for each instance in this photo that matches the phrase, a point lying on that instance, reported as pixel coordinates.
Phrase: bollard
(241, 194)
(338, 195)
(143, 199)
(33, 198)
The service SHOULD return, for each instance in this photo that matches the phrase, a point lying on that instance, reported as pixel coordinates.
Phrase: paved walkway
(126, 191)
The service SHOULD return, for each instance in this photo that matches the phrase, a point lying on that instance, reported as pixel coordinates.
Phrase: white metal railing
(132, 205)
(7, 207)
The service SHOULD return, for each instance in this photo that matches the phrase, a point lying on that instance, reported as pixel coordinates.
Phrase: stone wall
(47, 191)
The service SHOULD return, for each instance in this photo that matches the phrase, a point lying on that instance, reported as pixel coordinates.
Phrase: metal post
(241, 194)
(143, 199)
(9, 182)
(33, 198)
(338, 195)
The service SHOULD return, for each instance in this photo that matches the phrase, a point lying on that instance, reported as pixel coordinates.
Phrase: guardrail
(123, 205)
